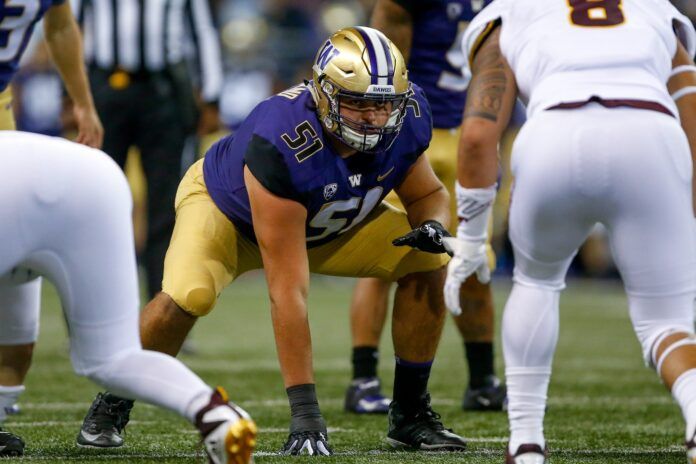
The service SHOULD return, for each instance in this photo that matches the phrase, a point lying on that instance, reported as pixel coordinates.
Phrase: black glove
(308, 433)
(428, 237)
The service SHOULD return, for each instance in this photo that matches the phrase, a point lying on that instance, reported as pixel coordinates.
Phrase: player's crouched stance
(299, 189)
(66, 213)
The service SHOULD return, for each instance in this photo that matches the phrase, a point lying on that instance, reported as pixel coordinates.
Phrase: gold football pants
(207, 253)
(7, 121)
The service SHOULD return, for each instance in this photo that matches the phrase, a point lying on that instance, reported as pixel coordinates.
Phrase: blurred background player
(603, 143)
(66, 213)
(299, 188)
(138, 54)
(428, 32)
(65, 45)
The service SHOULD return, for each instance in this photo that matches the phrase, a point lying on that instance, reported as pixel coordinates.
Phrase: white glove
(468, 257)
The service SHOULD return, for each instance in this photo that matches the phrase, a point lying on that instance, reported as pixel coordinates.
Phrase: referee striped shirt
(149, 35)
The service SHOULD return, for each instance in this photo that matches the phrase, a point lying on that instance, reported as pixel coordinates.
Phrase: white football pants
(66, 215)
(628, 169)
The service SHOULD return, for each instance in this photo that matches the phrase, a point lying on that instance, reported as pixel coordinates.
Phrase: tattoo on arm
(487, 88)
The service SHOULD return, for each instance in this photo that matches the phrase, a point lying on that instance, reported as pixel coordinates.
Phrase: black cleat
(527, 454)
(105, 421)
(421, 430)
(10, 444)
(309, 443)
(491, 397)
(364, 396)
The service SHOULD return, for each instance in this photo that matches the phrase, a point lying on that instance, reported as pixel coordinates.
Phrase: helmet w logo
(326, 54)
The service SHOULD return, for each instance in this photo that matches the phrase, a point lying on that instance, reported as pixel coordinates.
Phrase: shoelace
(428, 416)
(105, 415)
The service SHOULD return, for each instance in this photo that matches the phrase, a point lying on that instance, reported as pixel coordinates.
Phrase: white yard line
(378, 452)
(566, 400)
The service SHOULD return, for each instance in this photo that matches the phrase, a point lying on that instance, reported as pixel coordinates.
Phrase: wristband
(304, 409)
(474, 206)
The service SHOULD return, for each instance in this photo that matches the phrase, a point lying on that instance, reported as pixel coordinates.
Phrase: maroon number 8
(596, 13)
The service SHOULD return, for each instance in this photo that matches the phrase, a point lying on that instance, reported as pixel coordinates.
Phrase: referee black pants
(144, 111)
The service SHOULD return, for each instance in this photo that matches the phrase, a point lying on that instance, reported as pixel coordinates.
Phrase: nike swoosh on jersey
(381, 177)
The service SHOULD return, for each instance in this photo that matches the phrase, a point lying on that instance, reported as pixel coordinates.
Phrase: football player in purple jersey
(428, 33)
(299, 189)
(17, 21)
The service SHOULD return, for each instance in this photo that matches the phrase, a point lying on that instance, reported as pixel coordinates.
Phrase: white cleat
(229, 433)
(527, 454)
(691, 450)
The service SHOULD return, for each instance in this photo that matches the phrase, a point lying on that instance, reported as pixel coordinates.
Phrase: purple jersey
(286, 149)
(436, 59)
(17, 20)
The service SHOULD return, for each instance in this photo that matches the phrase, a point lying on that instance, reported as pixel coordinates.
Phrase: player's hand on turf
(468, 257)
(428, 237)
(309, 443)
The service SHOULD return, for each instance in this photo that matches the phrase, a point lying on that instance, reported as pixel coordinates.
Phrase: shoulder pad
(685, 31)
(285, 116)
(418, 127)
(481, 26)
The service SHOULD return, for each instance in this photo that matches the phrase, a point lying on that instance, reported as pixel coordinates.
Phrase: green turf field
(604, 407)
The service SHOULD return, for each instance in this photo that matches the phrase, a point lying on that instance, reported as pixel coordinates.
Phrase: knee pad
(198, 301)
(655, 319)
(197, 297)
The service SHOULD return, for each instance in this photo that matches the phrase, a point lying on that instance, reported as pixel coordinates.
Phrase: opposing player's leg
(548, 222)
(19, 324)
(417, 318)
(655, 250)
(19, 286)
(101, 308)
(368, 311)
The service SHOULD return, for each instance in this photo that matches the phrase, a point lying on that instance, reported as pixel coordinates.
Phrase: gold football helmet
(360, 63)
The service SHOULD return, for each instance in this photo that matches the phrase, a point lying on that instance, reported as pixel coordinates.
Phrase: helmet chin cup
(358, 141)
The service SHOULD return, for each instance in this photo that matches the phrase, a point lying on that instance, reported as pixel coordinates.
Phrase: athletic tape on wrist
(474, 208)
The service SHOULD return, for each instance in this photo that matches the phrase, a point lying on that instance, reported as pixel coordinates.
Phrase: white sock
(196, 404)
(529, 333)
(527, 387)
(684, 392)
(8, 398)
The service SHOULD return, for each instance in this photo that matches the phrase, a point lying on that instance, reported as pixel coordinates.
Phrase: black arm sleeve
(266, 163)
(412, 6)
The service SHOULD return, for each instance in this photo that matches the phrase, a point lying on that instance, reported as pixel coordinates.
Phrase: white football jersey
(570, 50)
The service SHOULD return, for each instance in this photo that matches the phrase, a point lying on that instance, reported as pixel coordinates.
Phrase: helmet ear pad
(360, 63)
